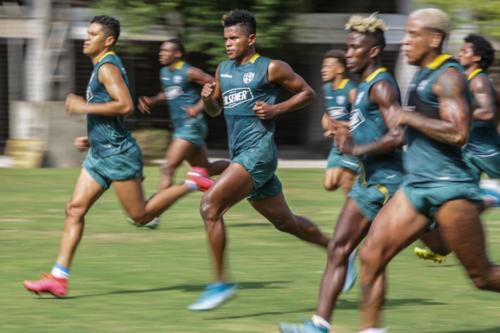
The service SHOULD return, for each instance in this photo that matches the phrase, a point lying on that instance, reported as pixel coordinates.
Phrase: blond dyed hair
(366, 24)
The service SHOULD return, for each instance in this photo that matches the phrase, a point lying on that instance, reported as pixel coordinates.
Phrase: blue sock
(59, 271)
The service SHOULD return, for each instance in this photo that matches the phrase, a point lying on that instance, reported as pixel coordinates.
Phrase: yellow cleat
(427, 254)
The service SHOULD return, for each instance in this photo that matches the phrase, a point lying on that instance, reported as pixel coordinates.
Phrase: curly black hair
(240, 16)
(110, 24)
(178, 44)
(336, 54)
(481, 47)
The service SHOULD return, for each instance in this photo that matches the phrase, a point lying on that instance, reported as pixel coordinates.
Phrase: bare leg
(177, 152)
(234, 184)
(199, 157)
(435, 242)
(462, 229)
(131, 196)
(395, 227)
(276, 211)
(351, 227)
(85, 193)
(347, 180)
(331, 181)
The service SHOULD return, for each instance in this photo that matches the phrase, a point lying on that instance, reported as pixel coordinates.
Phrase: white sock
(59, 271)
(374, 330)
(192, 185)
(319, 321)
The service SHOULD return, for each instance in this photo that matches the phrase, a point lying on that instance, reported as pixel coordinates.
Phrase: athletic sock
(192, 185)
(320, 321)
(59, 271)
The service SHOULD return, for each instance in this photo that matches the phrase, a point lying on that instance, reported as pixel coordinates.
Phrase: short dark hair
(378, 38)
(240, 16)
(110, 24)
(483, 48)
(178, 44)
(336, 54)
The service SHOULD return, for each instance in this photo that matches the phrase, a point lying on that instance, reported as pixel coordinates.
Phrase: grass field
(126, 279)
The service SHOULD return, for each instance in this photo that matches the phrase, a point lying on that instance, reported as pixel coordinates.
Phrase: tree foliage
(484, 14)
(198, 22)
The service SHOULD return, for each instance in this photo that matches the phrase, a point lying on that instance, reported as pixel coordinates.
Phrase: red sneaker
(200, 177)
(48, 284)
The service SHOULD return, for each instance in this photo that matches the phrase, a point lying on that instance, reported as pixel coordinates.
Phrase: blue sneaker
(490, 195)
(306, 327)
(214, 295)
(352, 272)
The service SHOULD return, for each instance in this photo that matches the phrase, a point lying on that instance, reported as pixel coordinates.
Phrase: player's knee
(338, 250)
(208, 210)
(370, 256)
(75, 210)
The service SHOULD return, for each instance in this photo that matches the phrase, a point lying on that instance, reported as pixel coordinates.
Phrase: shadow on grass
(264, 313)
(476, 330)
(341, 305)
(229, 225)
(181, 287)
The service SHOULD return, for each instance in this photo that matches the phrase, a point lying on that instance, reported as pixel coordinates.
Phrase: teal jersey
(483, 138)
(107, 135)
(337, 101)
(179, 92)
(242, 86)
(367, 125)
(428, 161)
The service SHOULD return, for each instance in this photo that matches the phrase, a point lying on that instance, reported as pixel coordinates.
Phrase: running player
(339, 92)
(439, 185)
(180, 82)
(246, 87)
(113, 158)
(379, 151)
(482, 152)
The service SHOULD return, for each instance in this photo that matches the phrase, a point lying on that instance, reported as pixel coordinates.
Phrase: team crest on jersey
(356, 119)
(336, 112)
(234, 97)
(359, 97)
(248, 77)
(340, 99)
(173, 92)
(177, 79)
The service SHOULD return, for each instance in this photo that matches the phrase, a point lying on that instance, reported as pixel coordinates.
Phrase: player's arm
(282, 74)
(211, 95)
(147, 102)
(120, 105)
(485, 99)
(387, 98)
(453, 125)
(197, 76)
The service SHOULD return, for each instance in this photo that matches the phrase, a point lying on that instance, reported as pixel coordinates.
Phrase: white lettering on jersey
(356, 119)
(234, 97)
(229, 76)
(336, 112)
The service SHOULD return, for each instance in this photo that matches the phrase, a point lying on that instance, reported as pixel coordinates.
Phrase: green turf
(126, 279)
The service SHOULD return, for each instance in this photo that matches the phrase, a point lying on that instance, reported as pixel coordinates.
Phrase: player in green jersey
(439, 185)
(246, 88)
(113, 158)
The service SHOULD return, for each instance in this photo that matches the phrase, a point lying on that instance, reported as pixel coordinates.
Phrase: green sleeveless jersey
(107, 135)
(483, 138)
(428, 161)
(367, 125)
(337, 101)
(179, 92)
(242, 86)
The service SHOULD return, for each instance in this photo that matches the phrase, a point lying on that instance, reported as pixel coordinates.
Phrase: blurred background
(41, 62)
